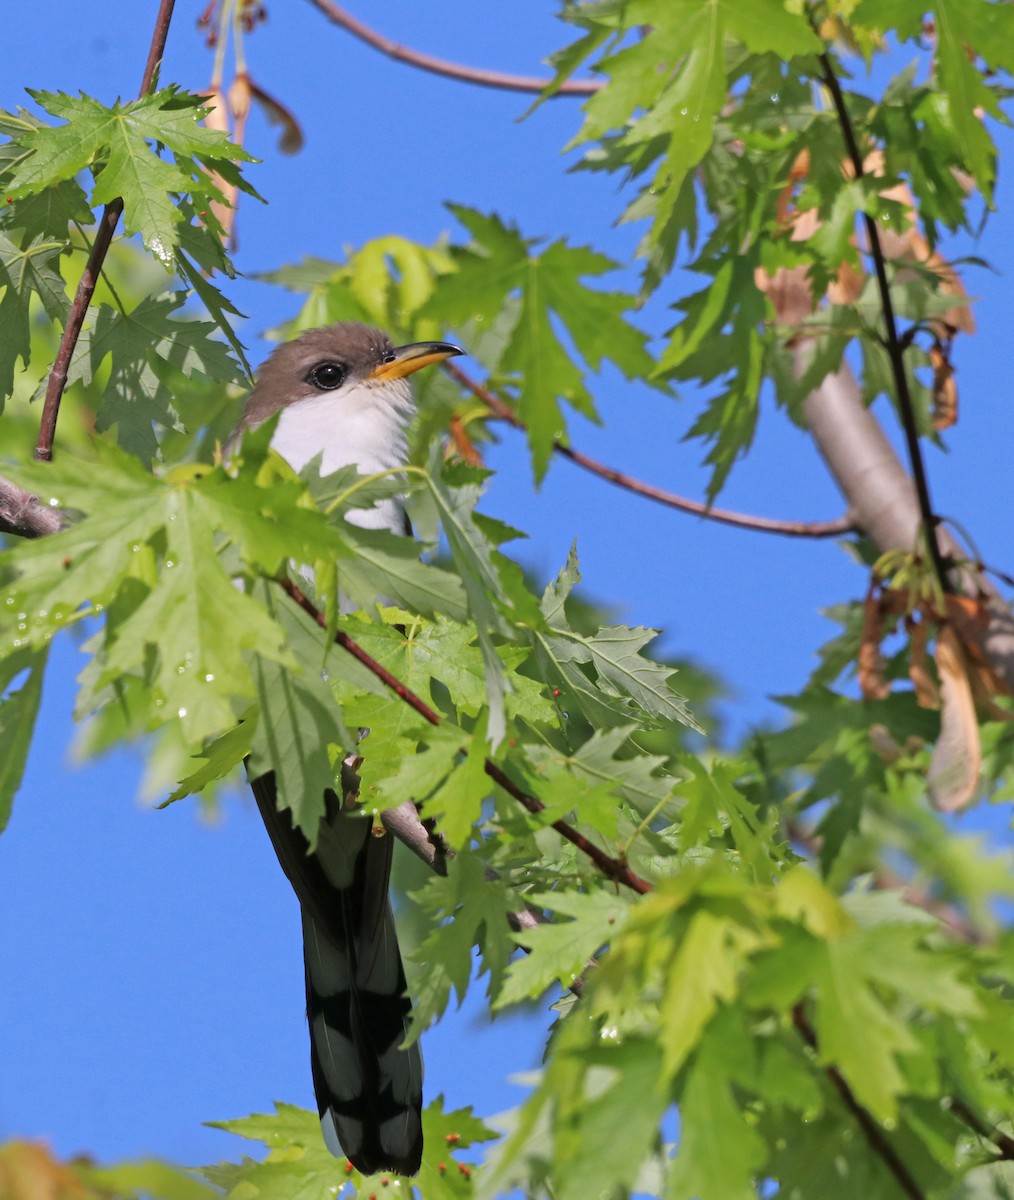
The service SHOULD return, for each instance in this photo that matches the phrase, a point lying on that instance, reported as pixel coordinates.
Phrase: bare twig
(612, 868)
(24, 515)
(86, 287)
(892, 343)
(452, 70)
(809, 529)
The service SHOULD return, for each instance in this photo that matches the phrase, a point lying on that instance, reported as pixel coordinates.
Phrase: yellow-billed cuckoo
(343, 393)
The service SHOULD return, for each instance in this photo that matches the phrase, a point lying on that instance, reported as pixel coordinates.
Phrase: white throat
(365, 426)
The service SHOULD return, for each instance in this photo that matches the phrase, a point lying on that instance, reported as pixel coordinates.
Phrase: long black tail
(369, 1089)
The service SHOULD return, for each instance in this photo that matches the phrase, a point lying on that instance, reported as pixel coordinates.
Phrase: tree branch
(810, 529)
(86, 286)
(612, 868)
(892, 343)
(24, 515)
(452, 70)
(873, 1133)
(405, 824)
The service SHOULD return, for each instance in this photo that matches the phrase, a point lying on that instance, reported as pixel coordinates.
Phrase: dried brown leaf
(927, 695)
(955, 763)
(465, 448)
(217, 117)
(28, 1171)
(945, 389)
(871, 662)
(291, 141)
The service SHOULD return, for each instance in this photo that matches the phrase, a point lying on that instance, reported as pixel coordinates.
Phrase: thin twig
(612, 868)
(1002, 1141)
(808, 529)
(441, 66)
(873, 1133)
(892, 343)
(86, 287)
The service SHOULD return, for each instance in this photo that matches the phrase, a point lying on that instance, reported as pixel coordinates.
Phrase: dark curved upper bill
(405, 359)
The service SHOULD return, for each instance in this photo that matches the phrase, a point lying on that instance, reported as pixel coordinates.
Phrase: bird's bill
(406, 359)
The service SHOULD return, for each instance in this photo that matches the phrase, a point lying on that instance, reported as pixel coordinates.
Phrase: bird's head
(346, 362)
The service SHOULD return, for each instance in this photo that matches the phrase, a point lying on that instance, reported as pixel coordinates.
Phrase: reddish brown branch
(452, 70)
(612, 868)
(86, 287)
(1002, 1141)
(809, 529)
(873, 1133)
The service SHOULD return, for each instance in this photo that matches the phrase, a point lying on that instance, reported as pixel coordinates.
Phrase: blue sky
(152, 973)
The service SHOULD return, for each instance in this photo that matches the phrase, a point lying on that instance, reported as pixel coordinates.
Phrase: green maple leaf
(721, 337)
(447, 652)
(220, 758)
(147, 553)
(854, 976)
(300, 730)
(18, 710)
(704, 973)
(121, 142)
(719, 1154)
(378, 563)
(299, 1165)
(464, 908)
(145, 1178)
(549, 287)
(626, 685)
(456, 804)
(25, 271)
(560, 949)
(666, 92)
(137, 344)
(455, 494)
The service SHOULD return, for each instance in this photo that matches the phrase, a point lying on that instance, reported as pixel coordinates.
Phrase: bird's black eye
(327, 376)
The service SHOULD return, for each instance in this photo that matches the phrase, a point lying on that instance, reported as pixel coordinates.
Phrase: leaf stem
(100, 247)
(365, 480)
(892, 342)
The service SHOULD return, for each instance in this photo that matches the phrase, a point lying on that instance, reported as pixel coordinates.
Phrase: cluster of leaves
(779, 1006)
(724, 109)
(296, 1163)
(156, 156)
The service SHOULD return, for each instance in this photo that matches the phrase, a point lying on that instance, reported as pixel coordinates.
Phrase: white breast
(365, 427)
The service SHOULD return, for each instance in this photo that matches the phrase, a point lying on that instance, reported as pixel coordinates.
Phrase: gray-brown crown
(356, 348)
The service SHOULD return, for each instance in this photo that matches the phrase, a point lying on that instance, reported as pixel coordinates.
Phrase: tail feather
(368, 1088)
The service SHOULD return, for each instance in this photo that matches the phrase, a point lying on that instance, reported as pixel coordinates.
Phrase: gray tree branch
(24, 515)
